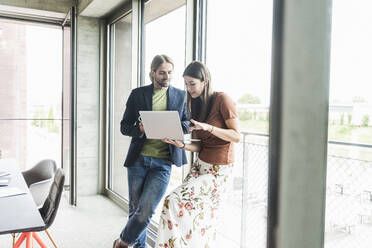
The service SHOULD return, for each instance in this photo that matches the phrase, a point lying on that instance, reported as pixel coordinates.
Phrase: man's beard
(163, 83)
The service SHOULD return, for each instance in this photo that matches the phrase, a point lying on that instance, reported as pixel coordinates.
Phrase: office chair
(48, 213)
(39, 178)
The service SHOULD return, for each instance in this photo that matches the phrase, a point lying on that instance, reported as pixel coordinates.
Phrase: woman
(189, 213)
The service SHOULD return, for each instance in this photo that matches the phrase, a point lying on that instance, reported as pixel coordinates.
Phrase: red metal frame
(29, 236)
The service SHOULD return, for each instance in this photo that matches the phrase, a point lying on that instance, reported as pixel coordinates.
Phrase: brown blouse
(213, 149)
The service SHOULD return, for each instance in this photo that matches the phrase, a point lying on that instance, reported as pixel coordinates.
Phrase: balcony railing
(348, 195)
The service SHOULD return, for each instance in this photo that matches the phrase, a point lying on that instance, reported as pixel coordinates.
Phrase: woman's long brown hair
(200, 107)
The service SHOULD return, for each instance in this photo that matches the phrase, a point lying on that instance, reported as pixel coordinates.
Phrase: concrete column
(298, 123)
(88, 76)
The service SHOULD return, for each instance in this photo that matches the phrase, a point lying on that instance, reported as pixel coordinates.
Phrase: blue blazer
(141, 99)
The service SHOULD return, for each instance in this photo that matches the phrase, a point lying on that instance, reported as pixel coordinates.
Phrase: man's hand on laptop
(176, 143)
(142, 130)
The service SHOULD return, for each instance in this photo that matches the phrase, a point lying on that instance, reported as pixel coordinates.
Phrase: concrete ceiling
(99, 8)
(90, 8)
(155, 9)
(44, 9)
(29, 12)
(59, 8)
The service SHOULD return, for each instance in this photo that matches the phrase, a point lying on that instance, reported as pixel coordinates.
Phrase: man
(149, 162)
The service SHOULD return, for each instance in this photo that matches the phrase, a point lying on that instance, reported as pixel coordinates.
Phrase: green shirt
(152, 147)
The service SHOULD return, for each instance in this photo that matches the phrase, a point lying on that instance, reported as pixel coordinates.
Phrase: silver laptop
(163, 124)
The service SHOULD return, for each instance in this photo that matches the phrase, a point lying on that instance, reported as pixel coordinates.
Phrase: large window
(165, 28)
(31, 92)
(238, 59)
(238, 54)
(120, 88)
(349, 169)
(157, 21)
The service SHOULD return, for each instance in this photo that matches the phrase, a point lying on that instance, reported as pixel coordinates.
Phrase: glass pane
(30, 92)
(161, 23)
(159, 27)
(348, 216)
(121, 84)
(29, 141)
(66, 105)
(66, 73)
(239, 60)
(31, 69)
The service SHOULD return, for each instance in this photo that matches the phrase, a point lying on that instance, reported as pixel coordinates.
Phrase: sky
(239, 47)
(351, 50)
(44, 65)
(163, 38)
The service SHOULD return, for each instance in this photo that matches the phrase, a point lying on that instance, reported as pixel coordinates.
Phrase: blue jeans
(148, 179)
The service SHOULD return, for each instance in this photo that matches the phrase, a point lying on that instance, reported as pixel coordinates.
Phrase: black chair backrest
(49, 210)
(43, 170)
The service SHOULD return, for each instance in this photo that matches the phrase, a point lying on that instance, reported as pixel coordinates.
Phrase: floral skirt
(189, 214)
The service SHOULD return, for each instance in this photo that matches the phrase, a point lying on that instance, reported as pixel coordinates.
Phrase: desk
(17, 213)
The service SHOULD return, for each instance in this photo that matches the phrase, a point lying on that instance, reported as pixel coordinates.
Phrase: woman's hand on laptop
(199, 126)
